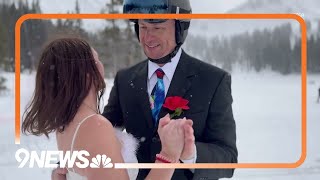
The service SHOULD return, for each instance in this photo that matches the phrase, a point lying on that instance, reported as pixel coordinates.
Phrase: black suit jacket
(208, 90)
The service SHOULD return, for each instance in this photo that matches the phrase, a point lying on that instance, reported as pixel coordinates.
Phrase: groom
(139, 92)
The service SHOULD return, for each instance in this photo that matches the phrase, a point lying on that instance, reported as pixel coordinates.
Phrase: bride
(69, 87)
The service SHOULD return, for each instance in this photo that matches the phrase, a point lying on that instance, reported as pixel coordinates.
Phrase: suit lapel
(139, 81)
(181, 81)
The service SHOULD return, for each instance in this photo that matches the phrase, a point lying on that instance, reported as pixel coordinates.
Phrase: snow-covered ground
(267, 110)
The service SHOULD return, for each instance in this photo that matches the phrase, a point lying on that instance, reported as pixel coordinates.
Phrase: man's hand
(59, 174)
(189, 141)
(171, 133)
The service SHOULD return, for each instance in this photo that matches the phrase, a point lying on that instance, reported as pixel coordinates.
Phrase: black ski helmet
(162, 7)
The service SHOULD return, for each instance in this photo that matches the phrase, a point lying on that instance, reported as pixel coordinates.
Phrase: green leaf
(178, 111)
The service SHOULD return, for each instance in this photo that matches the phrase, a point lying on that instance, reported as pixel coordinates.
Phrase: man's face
(157, 39)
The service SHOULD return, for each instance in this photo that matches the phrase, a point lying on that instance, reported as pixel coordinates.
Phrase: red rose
(176, 104)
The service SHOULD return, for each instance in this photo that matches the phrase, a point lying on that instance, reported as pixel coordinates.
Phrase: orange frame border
(178, 16)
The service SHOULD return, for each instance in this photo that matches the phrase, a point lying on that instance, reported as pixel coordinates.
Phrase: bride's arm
(97, 136)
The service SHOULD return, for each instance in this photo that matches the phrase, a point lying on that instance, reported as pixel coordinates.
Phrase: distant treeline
(117, 47)
(278, 49)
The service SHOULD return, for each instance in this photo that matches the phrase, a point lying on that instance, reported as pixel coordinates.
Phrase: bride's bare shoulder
(97, 121)
(97, 126)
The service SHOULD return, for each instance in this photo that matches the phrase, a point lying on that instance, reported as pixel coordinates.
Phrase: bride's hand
(171, 133)
(59, 174)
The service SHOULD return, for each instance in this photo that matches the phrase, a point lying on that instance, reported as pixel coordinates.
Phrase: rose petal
(185, 107)
(175, 102)
(184, 102)
(168, 106)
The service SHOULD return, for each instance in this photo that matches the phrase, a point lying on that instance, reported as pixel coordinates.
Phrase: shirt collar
(168, 68)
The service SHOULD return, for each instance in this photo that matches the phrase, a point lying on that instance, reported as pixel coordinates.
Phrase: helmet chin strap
(166, 58)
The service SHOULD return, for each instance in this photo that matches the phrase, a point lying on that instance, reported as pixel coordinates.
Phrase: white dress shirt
(168, 69)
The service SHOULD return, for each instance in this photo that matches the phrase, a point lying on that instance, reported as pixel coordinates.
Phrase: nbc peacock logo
(101, 161)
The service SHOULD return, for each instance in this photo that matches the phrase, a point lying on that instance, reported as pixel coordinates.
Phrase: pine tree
(78, 23)
(120, 43)
(3, 40)
(113, 8)
(2, 84)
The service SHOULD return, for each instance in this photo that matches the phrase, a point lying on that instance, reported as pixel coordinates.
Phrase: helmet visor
(146, 7)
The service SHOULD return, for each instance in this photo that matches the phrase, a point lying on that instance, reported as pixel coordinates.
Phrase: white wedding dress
(128, 151)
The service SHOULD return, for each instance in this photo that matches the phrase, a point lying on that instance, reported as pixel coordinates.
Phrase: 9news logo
(49, 159)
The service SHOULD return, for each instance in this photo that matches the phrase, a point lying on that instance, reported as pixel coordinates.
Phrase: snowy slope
(267, 110)
(308, 9)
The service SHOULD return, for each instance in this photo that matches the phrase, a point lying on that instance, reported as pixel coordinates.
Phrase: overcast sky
(95, 6)
(214, 6)
(199, 6)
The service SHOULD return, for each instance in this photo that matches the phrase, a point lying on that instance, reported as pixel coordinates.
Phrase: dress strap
(75, 133)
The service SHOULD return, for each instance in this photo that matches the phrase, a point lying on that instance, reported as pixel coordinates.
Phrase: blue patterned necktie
(158, 95)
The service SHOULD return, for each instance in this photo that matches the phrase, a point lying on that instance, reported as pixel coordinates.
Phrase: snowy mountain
(308, 9)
